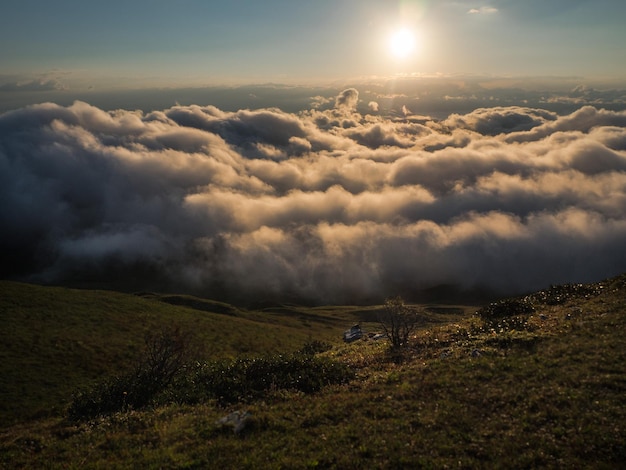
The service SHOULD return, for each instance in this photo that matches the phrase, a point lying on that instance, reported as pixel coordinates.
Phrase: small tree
(167, 351)
(398, 321)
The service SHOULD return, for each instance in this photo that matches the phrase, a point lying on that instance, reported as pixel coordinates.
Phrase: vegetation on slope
(54, 340)
(538, 381)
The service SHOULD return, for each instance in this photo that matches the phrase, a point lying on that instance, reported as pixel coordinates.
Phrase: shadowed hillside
(55, 339)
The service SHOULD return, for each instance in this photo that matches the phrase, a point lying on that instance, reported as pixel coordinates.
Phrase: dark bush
(506, 308)
(121, 393)
(165, 355)
(247, 379)
(315, 347)
(558, 295)
(165, 376)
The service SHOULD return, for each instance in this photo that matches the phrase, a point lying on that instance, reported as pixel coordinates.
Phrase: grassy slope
(54, 340)
(554, 397)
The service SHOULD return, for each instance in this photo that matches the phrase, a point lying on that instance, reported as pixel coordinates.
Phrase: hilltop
(535, 381)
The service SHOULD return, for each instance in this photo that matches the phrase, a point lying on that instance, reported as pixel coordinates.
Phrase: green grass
(54, 340)
(547, 390)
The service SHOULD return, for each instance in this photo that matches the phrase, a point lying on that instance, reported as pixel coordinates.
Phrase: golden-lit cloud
(323, 205)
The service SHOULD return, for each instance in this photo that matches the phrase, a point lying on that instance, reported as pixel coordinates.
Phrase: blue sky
(193, 42)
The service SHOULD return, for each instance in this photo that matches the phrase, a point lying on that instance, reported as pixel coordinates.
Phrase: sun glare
(402, 43)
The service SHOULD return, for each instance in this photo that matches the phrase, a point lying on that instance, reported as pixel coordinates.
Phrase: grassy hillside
(54, 340)
(538, 381)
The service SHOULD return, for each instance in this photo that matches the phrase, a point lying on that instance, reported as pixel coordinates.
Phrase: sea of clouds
(327, 205)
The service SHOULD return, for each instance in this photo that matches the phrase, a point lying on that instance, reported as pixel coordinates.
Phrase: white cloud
(373, 106)
(484, 10)
(347, 99)
(33, 85)
(323, 205)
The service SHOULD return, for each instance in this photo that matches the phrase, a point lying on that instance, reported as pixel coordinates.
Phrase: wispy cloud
(485, 10)
(326, 205)
(33, 85)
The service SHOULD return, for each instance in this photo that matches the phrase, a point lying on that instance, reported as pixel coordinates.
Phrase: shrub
(398, 321)
(558, 295)
(506, 308)
(247, 379)
(165, 355)
(314, 347)
(165, 375)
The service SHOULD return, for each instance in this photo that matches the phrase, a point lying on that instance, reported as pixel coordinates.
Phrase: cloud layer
(326, 205)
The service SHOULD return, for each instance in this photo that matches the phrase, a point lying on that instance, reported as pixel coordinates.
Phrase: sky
(285, 151)
(198, 42)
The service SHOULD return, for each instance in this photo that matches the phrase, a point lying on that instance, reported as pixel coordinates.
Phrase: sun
(402, 43)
